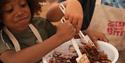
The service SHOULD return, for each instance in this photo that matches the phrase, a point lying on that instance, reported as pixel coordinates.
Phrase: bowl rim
(113, 48)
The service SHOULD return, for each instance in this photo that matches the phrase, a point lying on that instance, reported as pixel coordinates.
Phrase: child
(24, 38)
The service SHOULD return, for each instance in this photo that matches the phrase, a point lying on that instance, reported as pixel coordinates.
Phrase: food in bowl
(100, 55)
(94, 55)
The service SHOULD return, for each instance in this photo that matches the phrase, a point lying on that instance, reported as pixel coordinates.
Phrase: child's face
(16, 15)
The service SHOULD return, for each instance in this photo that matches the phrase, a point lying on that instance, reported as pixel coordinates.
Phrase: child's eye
(23, 4)
(9, 9)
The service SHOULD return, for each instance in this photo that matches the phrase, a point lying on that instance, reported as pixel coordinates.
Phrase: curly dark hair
(33, 5)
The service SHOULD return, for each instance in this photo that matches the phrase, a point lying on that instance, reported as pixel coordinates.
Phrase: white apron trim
(16, 43)
(13, 39)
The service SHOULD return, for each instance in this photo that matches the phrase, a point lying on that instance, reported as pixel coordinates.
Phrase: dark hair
(33, 5)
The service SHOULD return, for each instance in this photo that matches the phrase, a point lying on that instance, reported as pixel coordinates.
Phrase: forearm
(32, 54)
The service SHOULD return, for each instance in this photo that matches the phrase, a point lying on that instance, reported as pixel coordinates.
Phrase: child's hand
(95, 35)
(74, 13)
(66, 30)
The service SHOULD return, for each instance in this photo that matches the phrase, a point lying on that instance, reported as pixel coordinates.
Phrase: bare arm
(31, 54)
(65, 31)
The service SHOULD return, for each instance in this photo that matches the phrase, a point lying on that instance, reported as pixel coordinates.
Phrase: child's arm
(65, 31)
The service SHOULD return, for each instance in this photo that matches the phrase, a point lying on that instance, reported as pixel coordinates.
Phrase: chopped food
(93, 54)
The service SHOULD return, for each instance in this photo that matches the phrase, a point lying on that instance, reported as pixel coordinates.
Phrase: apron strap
(15, 41)
(36, 33)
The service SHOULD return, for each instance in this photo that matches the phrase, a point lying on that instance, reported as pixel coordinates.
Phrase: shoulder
(40, 22)
(38, 19)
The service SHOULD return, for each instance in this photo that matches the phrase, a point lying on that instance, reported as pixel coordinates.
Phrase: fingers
(95, 35)
(94, 39)
(75, 20)
(84, 59)
(71, 26)
(103, 38)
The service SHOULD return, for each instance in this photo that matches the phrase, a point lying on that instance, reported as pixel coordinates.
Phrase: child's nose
(19, 13)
